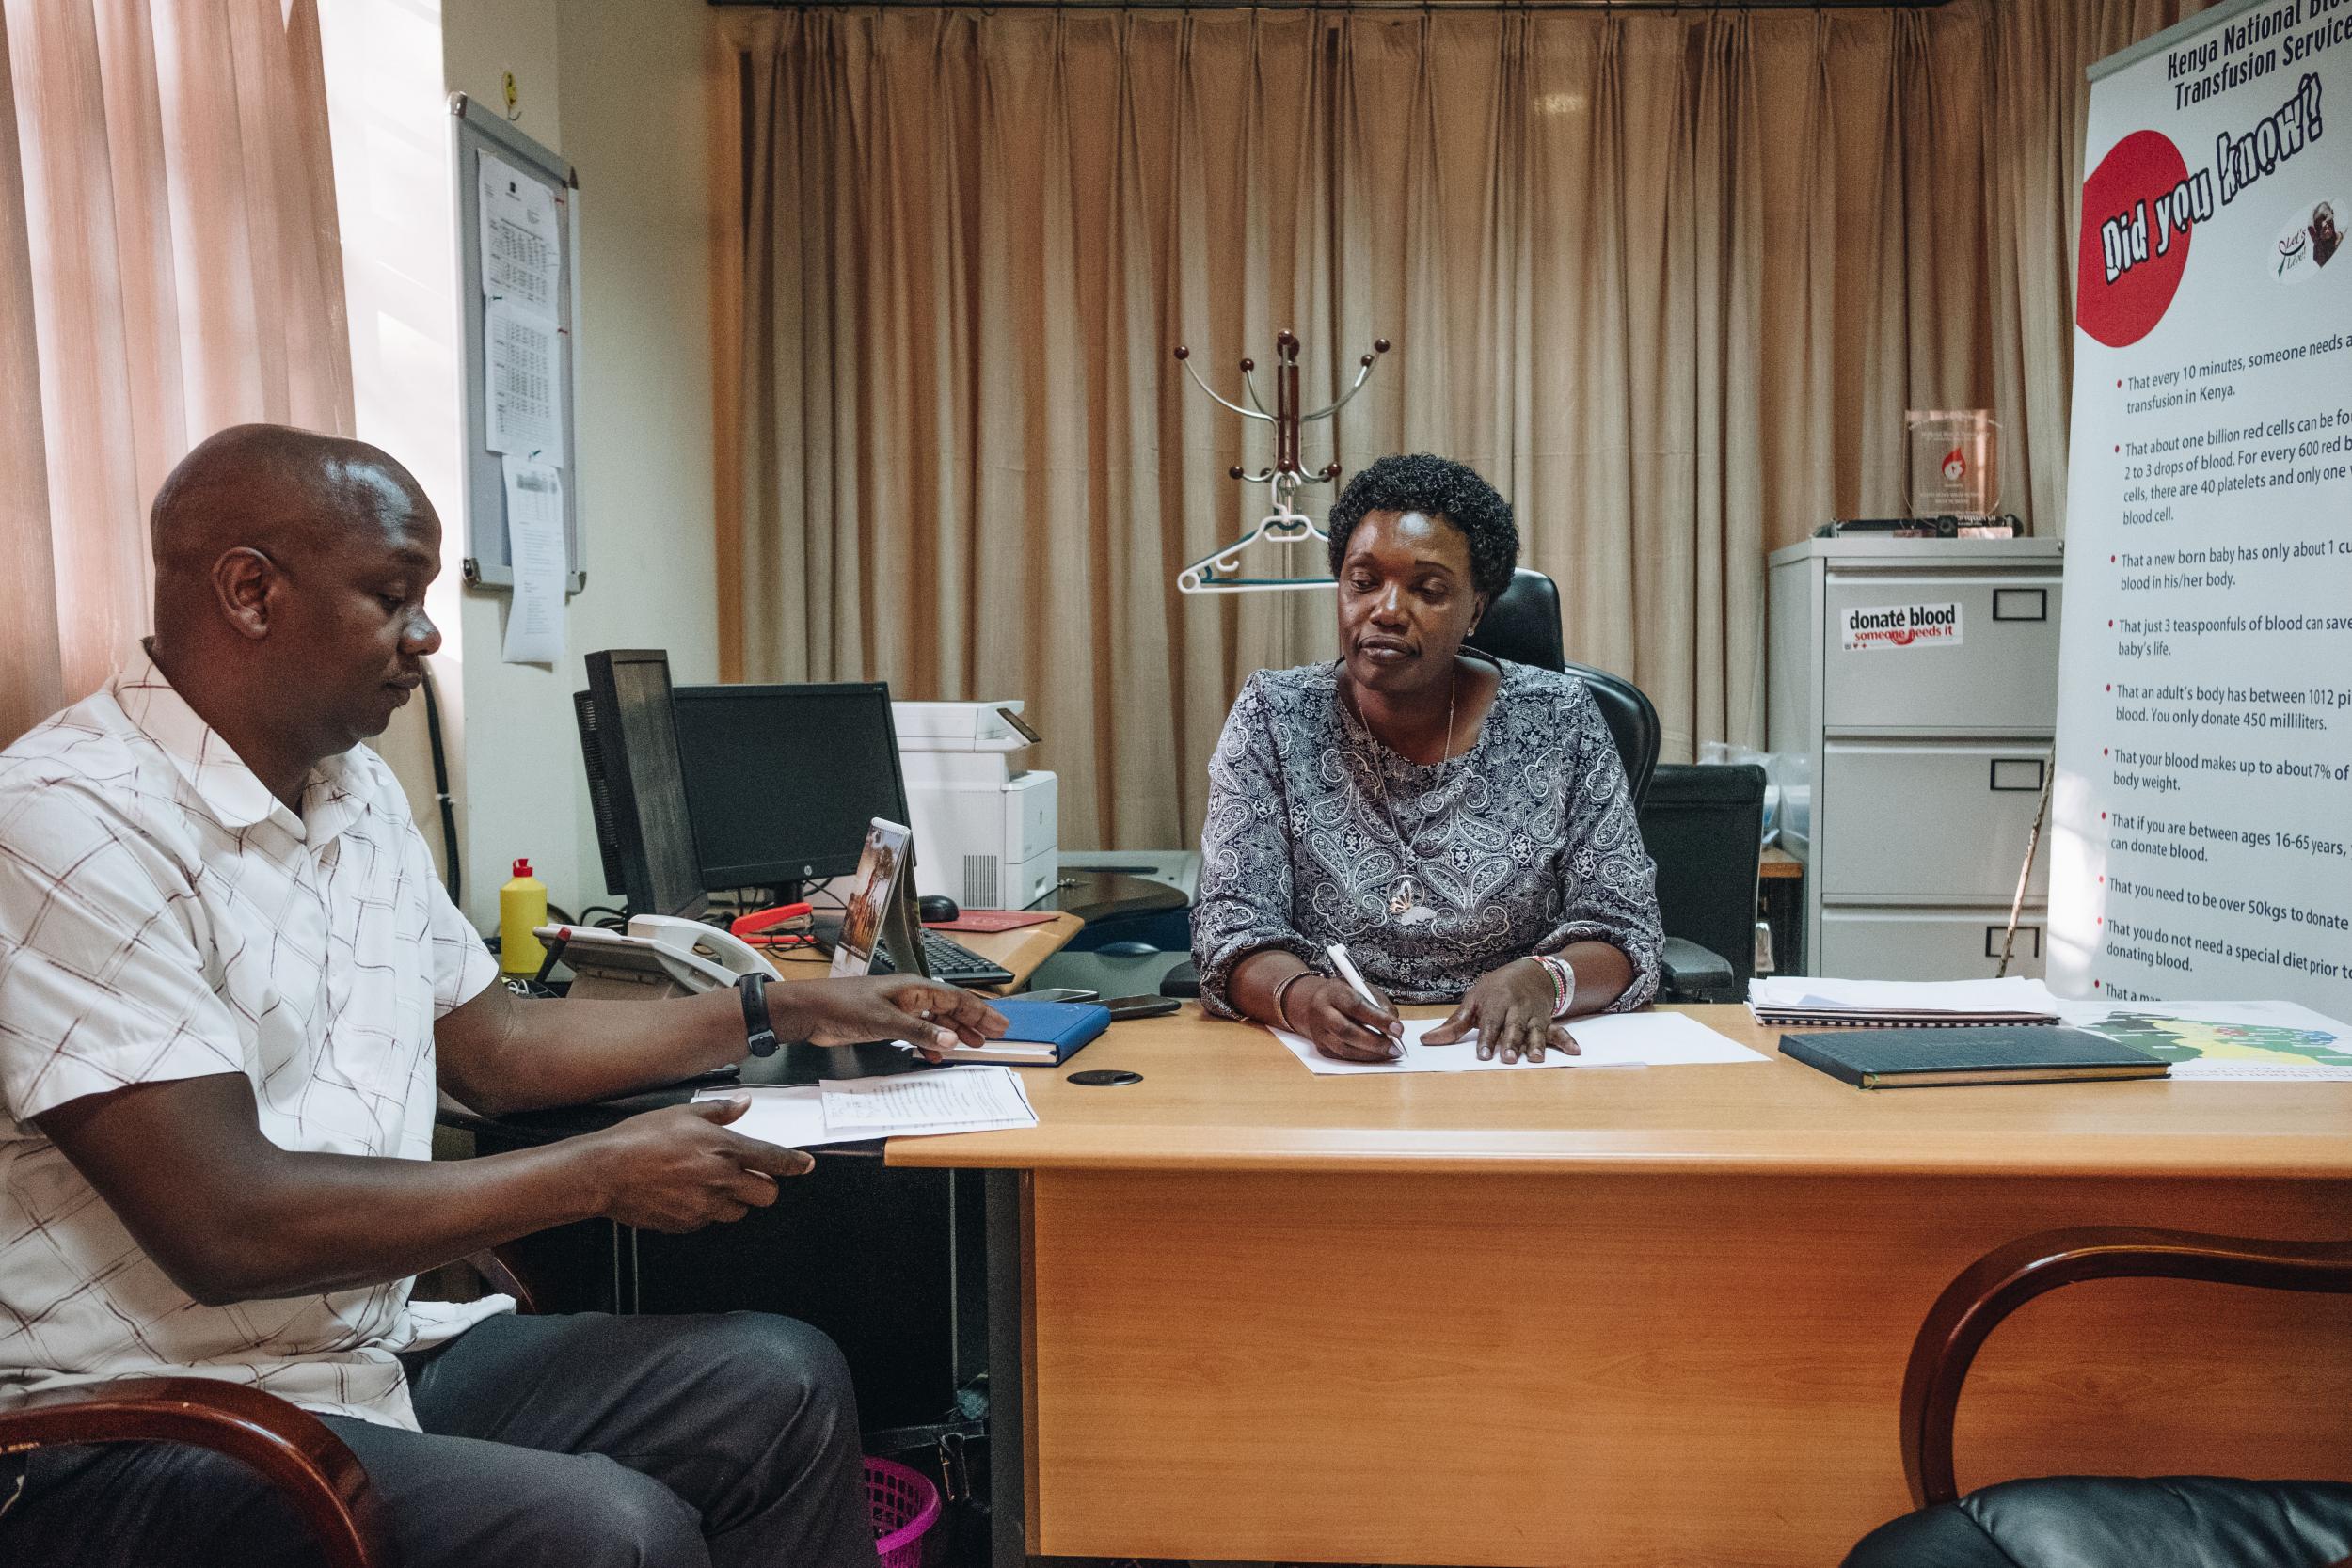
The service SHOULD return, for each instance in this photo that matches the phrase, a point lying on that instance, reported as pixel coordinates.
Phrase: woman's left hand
(1511, 1009)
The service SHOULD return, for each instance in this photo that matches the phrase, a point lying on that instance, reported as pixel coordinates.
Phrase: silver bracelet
(1280, 988)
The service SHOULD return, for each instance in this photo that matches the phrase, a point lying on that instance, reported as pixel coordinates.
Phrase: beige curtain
(1669, 279)
(169, 265)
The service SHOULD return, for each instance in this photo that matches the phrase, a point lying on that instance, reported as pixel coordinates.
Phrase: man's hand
(924, 1013)
(499, 1052)
(680, 1168)
(1511, 1009)
(1342, 1024)
(232, 1217)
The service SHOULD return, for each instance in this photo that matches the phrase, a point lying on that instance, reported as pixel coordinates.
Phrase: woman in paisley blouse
(1461, 823)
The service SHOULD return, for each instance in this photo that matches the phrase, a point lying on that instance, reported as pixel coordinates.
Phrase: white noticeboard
(2203, 800)
(518, 291)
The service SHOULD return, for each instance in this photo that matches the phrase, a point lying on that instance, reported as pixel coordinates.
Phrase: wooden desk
(1778, 865)
(1020, 950)
(1610, 1317)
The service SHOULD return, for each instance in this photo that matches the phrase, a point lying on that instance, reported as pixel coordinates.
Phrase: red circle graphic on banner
(2121, 233)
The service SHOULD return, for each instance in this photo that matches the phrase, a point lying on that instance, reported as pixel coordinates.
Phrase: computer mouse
(936, 908)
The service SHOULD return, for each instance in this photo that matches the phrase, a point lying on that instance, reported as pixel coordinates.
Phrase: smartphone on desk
(1123, 1008)
(1056, 993)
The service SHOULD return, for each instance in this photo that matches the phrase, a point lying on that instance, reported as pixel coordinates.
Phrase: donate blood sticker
(1902, 626)
(2139, 207)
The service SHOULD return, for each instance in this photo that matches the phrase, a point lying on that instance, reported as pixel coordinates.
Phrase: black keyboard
(949, 961)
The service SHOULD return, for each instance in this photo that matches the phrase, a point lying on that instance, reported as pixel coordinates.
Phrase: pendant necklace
(1405, 895)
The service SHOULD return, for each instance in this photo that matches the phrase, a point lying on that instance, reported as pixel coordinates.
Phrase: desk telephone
(658, 956)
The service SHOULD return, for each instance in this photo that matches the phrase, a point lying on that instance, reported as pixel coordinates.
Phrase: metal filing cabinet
(1926, 751)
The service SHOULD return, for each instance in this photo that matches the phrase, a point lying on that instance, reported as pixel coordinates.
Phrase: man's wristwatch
(757, 1031)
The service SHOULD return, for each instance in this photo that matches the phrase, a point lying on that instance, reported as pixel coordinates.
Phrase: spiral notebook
(1820, 1002)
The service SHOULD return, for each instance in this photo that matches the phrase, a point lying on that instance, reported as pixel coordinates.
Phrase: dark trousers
(573, 1442)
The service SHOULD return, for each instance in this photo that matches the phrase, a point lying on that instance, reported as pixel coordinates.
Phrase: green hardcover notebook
(1909, 1059)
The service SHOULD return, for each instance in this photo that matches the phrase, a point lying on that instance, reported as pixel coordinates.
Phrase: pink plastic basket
(905, 1505)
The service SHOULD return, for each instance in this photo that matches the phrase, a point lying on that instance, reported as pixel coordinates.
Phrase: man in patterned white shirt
(230, 986)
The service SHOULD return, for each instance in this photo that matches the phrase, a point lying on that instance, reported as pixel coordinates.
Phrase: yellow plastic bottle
(522, 906)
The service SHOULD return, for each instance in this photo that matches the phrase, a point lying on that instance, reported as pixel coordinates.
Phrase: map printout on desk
(2243, 1041)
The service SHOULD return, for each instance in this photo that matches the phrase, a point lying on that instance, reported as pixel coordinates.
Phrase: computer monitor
(782, 780)
(636, 785)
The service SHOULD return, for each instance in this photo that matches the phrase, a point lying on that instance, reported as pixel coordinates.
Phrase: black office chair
(1523, 625)
(1705, 828)
(2099, 1521)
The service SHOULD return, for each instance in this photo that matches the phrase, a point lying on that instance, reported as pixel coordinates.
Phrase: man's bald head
(291, 570)
(285, 492)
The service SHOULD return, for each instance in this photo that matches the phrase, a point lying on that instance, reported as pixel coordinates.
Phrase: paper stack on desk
(901, 1105)
(1808, 1000)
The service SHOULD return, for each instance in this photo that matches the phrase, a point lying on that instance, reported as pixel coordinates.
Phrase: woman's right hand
(1342, 1024)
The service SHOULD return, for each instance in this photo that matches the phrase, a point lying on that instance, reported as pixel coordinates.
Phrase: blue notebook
(1039, 1034)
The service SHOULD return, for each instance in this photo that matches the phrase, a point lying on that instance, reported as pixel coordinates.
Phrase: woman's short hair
(1436, 487)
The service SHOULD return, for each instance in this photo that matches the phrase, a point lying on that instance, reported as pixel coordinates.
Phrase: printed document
(534, 544)
(908, 1105)
(522, 259)
(522, 382)
(962, 1097)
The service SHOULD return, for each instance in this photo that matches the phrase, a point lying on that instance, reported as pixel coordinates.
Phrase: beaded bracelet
(1562, 982)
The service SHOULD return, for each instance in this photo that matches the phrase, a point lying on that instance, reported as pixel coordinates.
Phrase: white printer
(987, 830)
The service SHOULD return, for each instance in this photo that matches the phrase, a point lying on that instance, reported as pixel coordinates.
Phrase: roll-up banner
(2203, 808)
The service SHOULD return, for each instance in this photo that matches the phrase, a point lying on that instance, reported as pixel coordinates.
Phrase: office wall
(618, 87)
(385, 112)
(636, 121)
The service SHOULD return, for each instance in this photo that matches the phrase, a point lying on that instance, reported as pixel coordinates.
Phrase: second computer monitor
(781, 781)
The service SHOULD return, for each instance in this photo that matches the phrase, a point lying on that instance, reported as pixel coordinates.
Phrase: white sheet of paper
(522, 258)
(1655, 1039)
(792, 1116)
(961, 1097)
(522, 383)
(534, 543)
(1417, 1057)
(1615, 1040)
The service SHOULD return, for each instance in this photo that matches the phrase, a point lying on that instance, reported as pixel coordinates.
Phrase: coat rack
(1220, 572)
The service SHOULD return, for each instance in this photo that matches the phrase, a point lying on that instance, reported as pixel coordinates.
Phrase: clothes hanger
(1219, 572)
